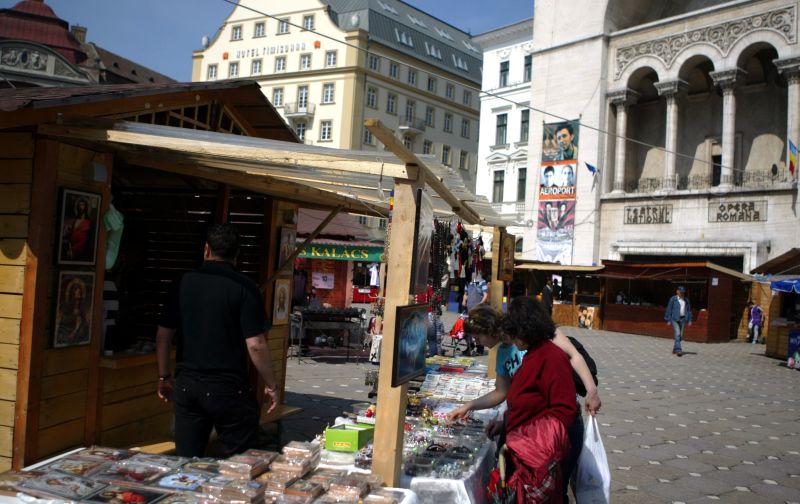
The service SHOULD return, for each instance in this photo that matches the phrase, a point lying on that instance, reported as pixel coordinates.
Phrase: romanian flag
(792, 157)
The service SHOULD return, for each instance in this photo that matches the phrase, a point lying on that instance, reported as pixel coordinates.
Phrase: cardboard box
(348, 437)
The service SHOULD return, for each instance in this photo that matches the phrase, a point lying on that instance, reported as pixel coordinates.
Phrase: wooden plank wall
(16, 177)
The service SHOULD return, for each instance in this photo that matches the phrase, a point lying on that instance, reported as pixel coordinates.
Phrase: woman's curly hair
(528, 320)
(483, 319)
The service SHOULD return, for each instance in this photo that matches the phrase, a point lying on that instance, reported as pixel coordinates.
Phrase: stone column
(726, 80)
(790, 69)
(671, 90)
(622, 100)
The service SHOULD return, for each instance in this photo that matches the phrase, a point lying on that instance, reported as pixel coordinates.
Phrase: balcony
(295, 110)
(412, 125)
(515, 209)
(741, 180)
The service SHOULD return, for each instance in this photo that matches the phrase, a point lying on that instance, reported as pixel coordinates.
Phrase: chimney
(79, 32)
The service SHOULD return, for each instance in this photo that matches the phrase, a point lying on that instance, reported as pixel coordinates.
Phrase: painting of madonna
(74, 313)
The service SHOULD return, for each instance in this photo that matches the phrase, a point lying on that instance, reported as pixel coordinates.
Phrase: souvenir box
(348, 437)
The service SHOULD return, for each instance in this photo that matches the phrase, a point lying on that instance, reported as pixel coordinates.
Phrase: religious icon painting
(281, 302)
(79, 224)
(104, 454)
(74, 309)
(65, 486)
(75, 465)
(287, 244)
(116, 493)
(411, 343)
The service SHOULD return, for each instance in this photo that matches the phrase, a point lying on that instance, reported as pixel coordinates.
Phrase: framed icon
(78, 227)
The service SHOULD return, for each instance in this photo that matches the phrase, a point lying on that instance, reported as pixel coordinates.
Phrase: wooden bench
(275, 416)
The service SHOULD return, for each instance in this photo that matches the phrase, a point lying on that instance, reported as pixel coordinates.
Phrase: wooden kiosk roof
(665, 271)
(787, 263)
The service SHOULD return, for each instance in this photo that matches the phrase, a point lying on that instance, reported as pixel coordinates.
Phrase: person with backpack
(484, 323)
(755, 316)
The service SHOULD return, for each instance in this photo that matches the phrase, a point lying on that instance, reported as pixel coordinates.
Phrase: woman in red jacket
(541, 405)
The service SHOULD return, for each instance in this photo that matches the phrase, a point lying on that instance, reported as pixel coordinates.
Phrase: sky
(161, 34)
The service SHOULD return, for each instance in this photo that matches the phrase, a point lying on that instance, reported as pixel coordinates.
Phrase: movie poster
(557, 192)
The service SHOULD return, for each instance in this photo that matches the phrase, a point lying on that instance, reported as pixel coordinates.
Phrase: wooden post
(495, 292)
(391, 411)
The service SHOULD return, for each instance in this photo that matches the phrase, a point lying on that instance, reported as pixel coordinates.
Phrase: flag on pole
(592, 169)
(792, 157)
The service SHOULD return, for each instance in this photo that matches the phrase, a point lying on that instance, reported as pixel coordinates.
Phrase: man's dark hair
(568, 127)
(529, 321)
(549, 169)
(223, 240)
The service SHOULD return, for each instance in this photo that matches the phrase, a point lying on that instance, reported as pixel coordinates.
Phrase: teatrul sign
(342, 253)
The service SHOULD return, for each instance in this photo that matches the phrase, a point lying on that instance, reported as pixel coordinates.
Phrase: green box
(348, 437)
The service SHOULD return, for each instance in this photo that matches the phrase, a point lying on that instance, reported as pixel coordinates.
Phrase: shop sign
(648, 214)
(737, 211)
(342, 253)
(256, 52)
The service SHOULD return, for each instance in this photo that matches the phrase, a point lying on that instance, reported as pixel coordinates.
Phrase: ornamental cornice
(671, 88)
(789, 68)
(624, 96)
(722, 36)
(727, 79)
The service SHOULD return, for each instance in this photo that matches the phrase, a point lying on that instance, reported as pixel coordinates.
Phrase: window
(374, 63)
(450, 91)
(233, 69)
(327, 92)
(412, 77)
(408, 142)
(368, 138)
(372, 97)
(280, 64)
(448, 123)
(300, 130)
(325, 131)
(283, 26)
(236, 32)
(381, 223)
(431, 84)
(391, 103)
(497, 186)
(411, 107)
(518, 246)
(430, 115)
(427, 147)
(502, 127)
(526, 75)
(522, 180)
(277, 97)
(255, 67)
(393, 70)
(211, 72)
(467, 99)
(308, 23)
(433, 51)
(305, 62)
(403, 37)
(463, 158)
(363, 220)
(330, 59)
(259, 30)
(523, 125)
(504, 74)
(446, 155)
(465, 128)
(302, 97)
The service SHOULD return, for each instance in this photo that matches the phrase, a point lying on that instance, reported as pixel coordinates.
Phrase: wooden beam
(270, 152)
(495, 292)
(388, 448)
(223, 204)
(426, 176)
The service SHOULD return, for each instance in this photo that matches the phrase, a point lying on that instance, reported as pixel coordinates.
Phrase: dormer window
(387, 7)
(470, 47)
(460, 63)
(416, 21)
(433, 51)
(403, 37)
(443, 33)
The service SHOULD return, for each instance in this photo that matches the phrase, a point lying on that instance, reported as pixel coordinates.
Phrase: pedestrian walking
(755, 317)
(678, 314)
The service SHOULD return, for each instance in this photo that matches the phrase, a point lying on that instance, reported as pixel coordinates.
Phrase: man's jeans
(754, 330)
(678, 326)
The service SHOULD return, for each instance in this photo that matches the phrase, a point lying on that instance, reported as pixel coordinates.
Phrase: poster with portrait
(78, 226)
(282, 302)
(586, 316)
(560, 141)
(410, 344)
(287, 244)
(74, 309)
(423, 239)
(557, 180)
(555, 230)
(506, 270)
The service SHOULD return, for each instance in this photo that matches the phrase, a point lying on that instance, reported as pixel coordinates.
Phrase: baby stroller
(458, 336)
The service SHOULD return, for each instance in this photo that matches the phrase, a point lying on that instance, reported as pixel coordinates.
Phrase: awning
(792, 285)
(557, 267)
(359, 181)
(787, 263)
(340, 250)
(666, 271)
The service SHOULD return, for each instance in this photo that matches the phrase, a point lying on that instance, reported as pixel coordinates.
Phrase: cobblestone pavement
(720, 423)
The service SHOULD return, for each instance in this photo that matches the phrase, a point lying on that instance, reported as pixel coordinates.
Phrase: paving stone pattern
(721, 423)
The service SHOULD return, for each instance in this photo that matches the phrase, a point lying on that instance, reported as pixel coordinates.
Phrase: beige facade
(327, 66)
(698, 99)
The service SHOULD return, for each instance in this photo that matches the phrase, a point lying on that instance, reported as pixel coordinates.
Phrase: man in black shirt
(218, 319)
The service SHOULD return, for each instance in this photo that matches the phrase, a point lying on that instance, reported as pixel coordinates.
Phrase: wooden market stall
(636, 296)
(175, 158)
(781, 309)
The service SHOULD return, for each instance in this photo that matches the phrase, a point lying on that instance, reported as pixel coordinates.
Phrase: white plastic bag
(592, 478)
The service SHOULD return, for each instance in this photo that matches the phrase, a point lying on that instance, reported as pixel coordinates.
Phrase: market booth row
(175, 158)
(776, 289)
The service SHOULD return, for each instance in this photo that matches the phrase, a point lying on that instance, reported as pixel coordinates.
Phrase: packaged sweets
(301, 449)
(243, 466)
(324, 476)
(348, 488)
(305, 488)
(237, 491)
(277, 481)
